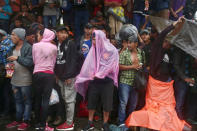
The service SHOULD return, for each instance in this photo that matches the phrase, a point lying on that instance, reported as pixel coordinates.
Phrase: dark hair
(93, 35)
(41, 32)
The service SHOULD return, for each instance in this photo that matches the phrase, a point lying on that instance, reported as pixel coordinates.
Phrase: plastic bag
(118, 13)
(54, 98)
(127, 31)
(9, 70)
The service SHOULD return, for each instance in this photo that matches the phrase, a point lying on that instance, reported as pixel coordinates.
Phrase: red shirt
(15, 7)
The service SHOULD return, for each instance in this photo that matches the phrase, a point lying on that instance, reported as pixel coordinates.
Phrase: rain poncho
(184, 37)
(102, 61)
(159, 112)
(125, 32)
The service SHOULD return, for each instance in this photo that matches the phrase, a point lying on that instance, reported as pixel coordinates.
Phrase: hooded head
(128, 30)
(48, 35)
(101, 61)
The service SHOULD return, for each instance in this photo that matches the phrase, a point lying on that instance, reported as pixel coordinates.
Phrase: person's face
(24, 8)
(30, 39)
(131, 45)
(39, 19)
(166, 45)
(124, 44)
(18, 23)
(62, 35)
(15, 39)
(100, 18)
(145, 37)
(88, 31)
(113, 41)
(39, 37)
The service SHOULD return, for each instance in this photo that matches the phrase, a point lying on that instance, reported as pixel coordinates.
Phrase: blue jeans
(138, 20)
(180, 90)
(127, 96)
(23, 101)
(48, 18)
(81, 19)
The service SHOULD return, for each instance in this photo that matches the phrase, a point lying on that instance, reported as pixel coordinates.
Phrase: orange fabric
(159, 112)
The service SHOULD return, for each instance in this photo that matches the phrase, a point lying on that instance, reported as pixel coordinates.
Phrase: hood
(48, 35)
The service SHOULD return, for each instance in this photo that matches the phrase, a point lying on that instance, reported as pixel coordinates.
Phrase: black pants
(43, 84)
(101, 90)
(192, 104)
(59, 108)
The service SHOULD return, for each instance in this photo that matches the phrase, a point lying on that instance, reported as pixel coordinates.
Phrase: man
(160, 8)
(176, 9)
(86, 42)
(30, 36)
(81, 18)
(190, 9)
(159, 112)
(6, 46)
(138, 11)
(22, 79)
(192, 95)
(145, 45)
(50, 11)
(66, 71)
(114, 23)
(67, 12)
(129, 62)
(182, 63)
(100, 70)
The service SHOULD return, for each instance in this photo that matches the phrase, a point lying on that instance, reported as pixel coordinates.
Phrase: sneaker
(192, 122)
(47, 128)
(58, 121)
(23, 126)
(97, 118)
(65, 127)
(39, 127)
(13, 124)
(123, 127)
(105, 127)
(49, 119)
(89, 127)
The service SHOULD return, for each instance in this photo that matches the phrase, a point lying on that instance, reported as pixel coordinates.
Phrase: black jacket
(159, 69)
(180, 60)
(67, 60)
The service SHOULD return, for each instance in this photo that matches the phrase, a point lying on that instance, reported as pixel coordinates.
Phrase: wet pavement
(79, 124)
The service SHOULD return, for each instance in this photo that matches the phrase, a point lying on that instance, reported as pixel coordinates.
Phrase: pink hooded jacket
(44, 53)
(102, 61)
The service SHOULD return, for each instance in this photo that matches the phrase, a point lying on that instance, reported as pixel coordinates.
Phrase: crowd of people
(90, 64)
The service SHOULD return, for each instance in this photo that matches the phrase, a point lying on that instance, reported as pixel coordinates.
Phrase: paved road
(79, 122)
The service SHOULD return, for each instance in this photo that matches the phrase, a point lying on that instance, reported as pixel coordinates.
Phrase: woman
(44, 56)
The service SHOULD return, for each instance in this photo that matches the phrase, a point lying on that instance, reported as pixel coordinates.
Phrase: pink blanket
(102, 61)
